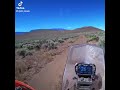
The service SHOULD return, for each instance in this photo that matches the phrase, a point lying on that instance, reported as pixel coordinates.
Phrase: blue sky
(67, 14)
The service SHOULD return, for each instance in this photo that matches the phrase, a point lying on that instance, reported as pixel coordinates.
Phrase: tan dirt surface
(50, 77)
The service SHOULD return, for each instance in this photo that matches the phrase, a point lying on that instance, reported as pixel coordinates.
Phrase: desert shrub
(28, 53)
(72, 37)
(44, 46)
(22, 52)
(60, 41)
(30, 47)
(18, 45)
(71, 41)
(36, 41)
(54, 40)
(20, 67)
(95, 38)
(101, 39)
(101, 33)
(43, 41)
(52, 45)
(65, 38)
(49, 47)
(102, 43)
(92, 37)
(24, 45)
(37, 46)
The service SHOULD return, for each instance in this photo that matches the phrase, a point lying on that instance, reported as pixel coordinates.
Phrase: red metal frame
(21, 84)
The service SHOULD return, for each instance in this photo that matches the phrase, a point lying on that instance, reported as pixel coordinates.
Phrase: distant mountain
(58, 29)
(52, 29)
(20, 33)
(42, 33)
(88, 28)
(83, 29)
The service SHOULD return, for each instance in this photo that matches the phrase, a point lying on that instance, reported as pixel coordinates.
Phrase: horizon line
(62, 28)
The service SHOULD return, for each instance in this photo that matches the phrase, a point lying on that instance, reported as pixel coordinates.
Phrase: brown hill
(86, 29)
(48, 33)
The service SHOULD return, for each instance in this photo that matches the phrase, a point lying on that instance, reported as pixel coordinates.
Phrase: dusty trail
(50, 76)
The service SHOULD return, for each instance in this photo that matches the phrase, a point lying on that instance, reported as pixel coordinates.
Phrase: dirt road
(49, 78)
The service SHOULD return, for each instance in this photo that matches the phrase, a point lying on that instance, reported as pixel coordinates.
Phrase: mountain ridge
(47, 33)
(61, 29)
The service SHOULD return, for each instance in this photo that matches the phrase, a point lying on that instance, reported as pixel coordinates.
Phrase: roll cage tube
(22, 86)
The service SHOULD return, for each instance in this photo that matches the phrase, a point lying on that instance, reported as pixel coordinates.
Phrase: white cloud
(69, 27)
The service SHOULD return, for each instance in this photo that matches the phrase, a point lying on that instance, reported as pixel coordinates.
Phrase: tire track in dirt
(49, 78)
